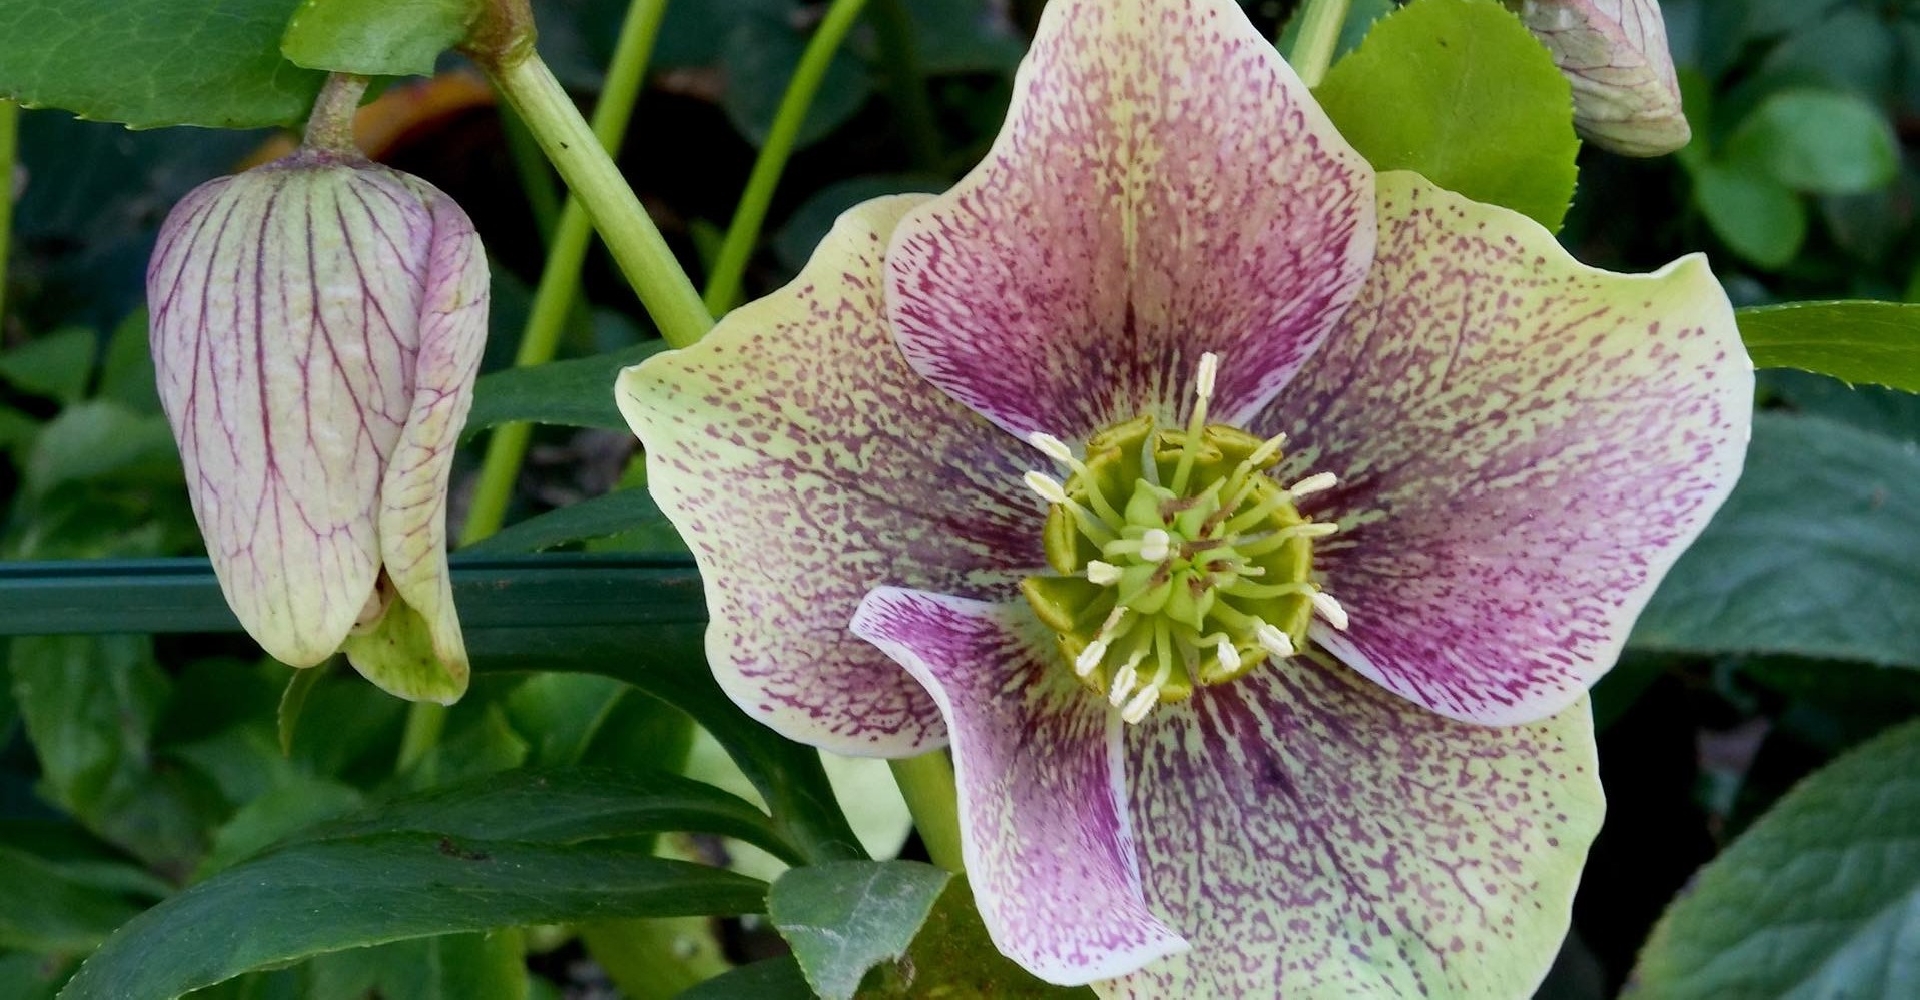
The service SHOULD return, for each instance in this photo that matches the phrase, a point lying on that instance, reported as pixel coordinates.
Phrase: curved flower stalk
(1625, 95)
(1251, 526)
(316, 327)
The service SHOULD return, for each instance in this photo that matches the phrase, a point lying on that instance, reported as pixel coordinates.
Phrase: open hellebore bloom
(317, 324)
(1625, 96)
(1250, 526)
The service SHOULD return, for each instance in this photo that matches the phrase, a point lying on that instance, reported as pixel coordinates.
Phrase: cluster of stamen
(1181, 560)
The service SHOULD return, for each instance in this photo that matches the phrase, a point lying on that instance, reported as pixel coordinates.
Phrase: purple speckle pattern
(1164, 186)
(1042, 814)
(287, 318)
(805, 464)
(1524, 446)
(1313, 835)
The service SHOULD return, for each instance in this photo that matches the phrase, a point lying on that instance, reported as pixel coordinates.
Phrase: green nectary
(1181, 561)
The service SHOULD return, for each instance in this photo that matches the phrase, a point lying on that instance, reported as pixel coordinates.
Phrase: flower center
(1181, 560)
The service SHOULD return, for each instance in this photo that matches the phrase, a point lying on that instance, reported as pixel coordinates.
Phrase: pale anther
(1313, 484)
(1204, 377)
(1155, 545)
(1052, 447)
(1123, 681)
(1048, 487)
(1141, 704)
(1090, 657)
(1229, 657)
(1314, 529)
(1103, 574)
(1277, 643)
(1326, 607)
(1268, 448)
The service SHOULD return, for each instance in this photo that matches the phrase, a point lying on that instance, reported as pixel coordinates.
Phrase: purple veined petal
(1524, 446)
(1164, 186)
(1037, 760)
(426, 659)
(280, 346)
(1313, 835)
(805, 463)
(1625, 95)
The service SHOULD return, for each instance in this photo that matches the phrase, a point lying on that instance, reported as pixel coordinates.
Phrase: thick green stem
(553, 301)
(9, 153)
(906, 82)
(926, 782)
(723, 285)
(637, 246)
(330, 124)
(1320, 23)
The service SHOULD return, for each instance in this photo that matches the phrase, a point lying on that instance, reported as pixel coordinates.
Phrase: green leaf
(275, 815)
(1756, 216)
(323, 896)
(769, 979)
(843, 918)
(561, 714)
(667, 661)
(1820, 141)
(40, 910)
(563, 807)
(34, 977)
(953, 956)
(96, 439)
(1460, 92)
(964, 36)
(1812, 555)
(126, 369)
(1815, 900)
(90, 704)
(1858, 341)
(573, 393)
(376, 37)
(158, 62)
(57, 365)
(1888, 412)
(759, 58)
(449, 967)
(598, 517)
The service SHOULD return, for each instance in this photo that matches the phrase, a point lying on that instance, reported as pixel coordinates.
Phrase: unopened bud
(316, 327)
(1625, 96)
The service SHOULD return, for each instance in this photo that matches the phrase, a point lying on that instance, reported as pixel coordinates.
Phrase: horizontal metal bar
(96, 597)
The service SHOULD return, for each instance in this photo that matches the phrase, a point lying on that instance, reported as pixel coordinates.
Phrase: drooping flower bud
(1625, 96)
(316, 327)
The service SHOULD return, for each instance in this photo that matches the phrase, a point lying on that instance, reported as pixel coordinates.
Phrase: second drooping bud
(316, 327)
(1625, 96)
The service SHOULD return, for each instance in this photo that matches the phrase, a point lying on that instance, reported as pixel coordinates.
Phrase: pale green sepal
(397, 656)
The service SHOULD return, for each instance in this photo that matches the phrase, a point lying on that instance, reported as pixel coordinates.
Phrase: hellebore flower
(317, 324)
(1614, 52)
(1251, 526)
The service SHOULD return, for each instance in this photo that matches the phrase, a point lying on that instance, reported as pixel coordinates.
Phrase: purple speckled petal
(413, 493)
(1164, 186)
(283, 330)
(1524, 446)
(805, 464)
(1313, 835)
(1036, 758)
